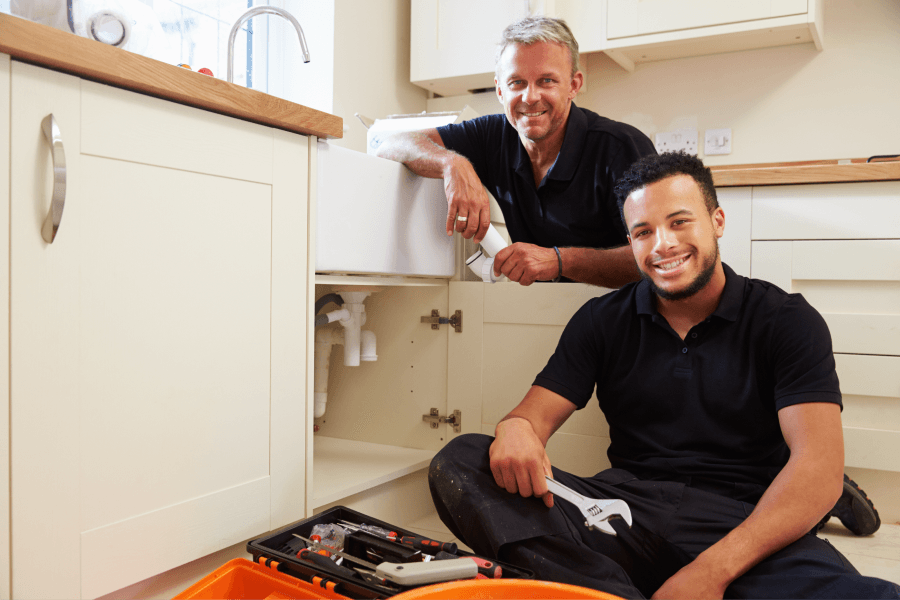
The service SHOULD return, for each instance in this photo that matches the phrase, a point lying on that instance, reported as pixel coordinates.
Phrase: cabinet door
(453, 43)
(4, 326)
(509, 333)
(142, 367)
(642, 17)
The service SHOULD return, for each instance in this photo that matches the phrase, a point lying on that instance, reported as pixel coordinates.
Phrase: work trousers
(672, 524)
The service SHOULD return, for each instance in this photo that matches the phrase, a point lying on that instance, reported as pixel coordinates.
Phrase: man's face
(535, 86)
(673, 236)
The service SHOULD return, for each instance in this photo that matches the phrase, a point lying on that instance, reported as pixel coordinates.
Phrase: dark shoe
(855, 511)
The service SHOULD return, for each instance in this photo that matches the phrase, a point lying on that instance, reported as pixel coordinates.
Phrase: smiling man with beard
(724, 415)
(550, 165)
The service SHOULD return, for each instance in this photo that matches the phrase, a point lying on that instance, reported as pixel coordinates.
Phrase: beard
(699, 282)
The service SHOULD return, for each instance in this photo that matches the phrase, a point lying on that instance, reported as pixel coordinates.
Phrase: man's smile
(669, 265)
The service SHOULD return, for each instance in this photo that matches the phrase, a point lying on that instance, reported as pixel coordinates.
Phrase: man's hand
(527, 263)
(467, 198)
(693, 581)
(518, 460)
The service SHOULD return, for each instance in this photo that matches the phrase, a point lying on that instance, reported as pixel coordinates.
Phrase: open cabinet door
(509, 333)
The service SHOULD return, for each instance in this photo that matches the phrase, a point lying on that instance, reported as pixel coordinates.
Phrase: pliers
(596, 512)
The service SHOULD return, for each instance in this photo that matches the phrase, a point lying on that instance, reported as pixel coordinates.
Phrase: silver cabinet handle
(58, 201)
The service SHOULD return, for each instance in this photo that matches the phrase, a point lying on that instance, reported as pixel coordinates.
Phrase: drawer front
(841, 211)
(855, 285)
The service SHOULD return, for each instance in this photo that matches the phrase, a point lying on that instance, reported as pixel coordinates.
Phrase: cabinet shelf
(379, 280)
(346, 467)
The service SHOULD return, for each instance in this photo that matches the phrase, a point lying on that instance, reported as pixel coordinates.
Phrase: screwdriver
(489, 569)
(416, 541)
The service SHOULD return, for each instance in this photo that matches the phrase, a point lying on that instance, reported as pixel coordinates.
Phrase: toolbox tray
(272, 551)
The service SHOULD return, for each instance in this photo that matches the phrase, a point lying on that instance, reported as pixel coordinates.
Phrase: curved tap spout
(259, 10)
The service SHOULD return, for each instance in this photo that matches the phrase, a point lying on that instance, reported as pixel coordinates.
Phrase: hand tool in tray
(596, 512)
(409, 574)
(413, 541)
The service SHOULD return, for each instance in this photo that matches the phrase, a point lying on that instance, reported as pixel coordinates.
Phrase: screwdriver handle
(427, 545)
(488, 568)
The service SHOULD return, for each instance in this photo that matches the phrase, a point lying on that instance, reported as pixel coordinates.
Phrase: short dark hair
(652, 168)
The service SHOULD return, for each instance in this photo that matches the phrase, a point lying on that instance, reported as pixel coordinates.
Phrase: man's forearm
(804, 491)
(606, 267)
(418, 152)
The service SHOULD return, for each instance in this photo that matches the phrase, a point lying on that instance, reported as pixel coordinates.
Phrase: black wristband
(559, 259)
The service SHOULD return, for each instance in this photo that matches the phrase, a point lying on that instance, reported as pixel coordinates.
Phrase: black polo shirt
(703, 408)
(575, 204)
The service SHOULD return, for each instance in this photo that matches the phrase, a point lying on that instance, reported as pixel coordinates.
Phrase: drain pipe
(358, 345)
(479, 262)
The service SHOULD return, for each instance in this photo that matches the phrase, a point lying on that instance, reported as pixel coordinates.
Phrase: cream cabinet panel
(838, 211)
(145, 382)
(869, 375)
(734, 245)
(172, 135)
(640, 31)
(854, 284)
(452, 44)
(641, 17)
(4, 325)
(848, 260)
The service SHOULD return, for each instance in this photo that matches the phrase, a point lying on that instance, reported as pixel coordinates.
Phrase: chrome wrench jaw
(596, 512)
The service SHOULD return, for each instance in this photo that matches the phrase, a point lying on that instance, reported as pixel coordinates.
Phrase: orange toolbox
(286, 566)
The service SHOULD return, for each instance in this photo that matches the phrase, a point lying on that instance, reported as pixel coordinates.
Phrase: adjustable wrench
(596, 512)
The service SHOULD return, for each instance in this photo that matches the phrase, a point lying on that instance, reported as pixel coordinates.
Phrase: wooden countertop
(821, 171)
(62, 51)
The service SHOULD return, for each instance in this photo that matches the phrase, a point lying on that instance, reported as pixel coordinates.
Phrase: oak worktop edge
(48, 47)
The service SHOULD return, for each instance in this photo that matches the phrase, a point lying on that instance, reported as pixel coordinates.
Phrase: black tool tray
(273, 550)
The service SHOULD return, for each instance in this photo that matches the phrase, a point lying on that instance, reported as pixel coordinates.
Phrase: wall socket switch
(680, 139)
(717, 141)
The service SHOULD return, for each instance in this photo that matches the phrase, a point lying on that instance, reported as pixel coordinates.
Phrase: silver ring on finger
(458, 218)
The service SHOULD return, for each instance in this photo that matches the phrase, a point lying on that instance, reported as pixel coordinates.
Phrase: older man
(724, 417)
(550, 164)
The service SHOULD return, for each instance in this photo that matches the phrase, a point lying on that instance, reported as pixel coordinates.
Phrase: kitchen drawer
(835, 211)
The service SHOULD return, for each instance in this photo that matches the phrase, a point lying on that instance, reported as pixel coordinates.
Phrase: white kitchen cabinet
(157, 346)
(648, 30)
(839, 245)
(373, 432)
(452, 44)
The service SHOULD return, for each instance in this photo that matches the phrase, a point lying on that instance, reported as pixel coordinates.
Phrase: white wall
(371, 65)
(783, 104)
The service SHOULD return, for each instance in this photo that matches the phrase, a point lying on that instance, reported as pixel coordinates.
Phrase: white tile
(877, 555)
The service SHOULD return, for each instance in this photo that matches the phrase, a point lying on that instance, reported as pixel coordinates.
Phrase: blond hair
(530, 30)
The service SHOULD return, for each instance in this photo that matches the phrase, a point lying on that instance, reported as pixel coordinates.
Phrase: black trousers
(672, 524)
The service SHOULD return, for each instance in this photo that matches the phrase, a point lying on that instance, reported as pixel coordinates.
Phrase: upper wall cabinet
(647, 30)
(453, 43)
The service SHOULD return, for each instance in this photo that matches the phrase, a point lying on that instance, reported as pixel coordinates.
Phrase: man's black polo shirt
(575, 204)
(702, 409)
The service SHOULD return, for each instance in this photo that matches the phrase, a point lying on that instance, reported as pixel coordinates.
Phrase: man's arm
(518, 459)
(802, 493)
(606, 267)
(424, 153)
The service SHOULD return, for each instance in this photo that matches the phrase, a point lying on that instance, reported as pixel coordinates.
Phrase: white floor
(877, 555)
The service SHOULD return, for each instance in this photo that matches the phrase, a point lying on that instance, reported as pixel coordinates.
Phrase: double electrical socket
(716, 141)
(680, 139)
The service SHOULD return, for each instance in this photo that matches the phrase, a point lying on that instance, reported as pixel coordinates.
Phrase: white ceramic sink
(374, 216)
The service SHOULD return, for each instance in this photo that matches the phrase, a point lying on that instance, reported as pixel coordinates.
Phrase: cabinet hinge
(435, 418)
(436, 320)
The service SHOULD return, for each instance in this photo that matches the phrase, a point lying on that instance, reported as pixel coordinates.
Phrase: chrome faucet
(258, 10)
